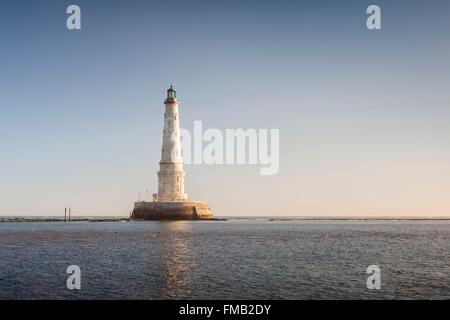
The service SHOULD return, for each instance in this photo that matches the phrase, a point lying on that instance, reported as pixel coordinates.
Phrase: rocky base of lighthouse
(185, 210)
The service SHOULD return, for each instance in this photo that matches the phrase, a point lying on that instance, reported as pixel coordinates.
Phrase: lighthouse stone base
(183, 210)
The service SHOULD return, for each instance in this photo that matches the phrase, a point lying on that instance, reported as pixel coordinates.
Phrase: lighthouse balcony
(176, 197)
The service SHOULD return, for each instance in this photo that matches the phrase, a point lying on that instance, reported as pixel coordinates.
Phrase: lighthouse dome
(171, 94)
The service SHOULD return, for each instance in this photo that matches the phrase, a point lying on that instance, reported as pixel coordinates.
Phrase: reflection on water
(177, 262)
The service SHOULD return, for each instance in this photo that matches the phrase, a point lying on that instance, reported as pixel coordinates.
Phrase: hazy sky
(364, 116)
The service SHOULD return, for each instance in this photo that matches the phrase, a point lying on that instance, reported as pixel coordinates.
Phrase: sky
(363, 115)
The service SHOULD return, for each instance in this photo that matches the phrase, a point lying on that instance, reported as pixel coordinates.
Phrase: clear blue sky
(364, 116)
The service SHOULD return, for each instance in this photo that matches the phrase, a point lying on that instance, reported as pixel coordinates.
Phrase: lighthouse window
(178, 179)
(175, 117)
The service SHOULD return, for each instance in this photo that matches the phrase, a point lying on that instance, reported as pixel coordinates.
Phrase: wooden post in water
(65, 214)
(70, 214)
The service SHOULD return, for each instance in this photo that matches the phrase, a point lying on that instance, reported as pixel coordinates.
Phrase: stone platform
(183, 210)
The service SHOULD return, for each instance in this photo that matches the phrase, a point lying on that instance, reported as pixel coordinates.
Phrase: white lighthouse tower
(171, 173)
(170, 203)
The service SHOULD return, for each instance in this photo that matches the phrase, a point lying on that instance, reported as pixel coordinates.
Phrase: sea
(233, 259)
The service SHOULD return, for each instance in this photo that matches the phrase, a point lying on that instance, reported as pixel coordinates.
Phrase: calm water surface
(236, 259)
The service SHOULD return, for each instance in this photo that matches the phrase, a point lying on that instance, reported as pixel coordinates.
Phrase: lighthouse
(170, 202)
(171, 173)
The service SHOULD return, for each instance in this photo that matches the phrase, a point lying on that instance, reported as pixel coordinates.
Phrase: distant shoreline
(127, 219)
